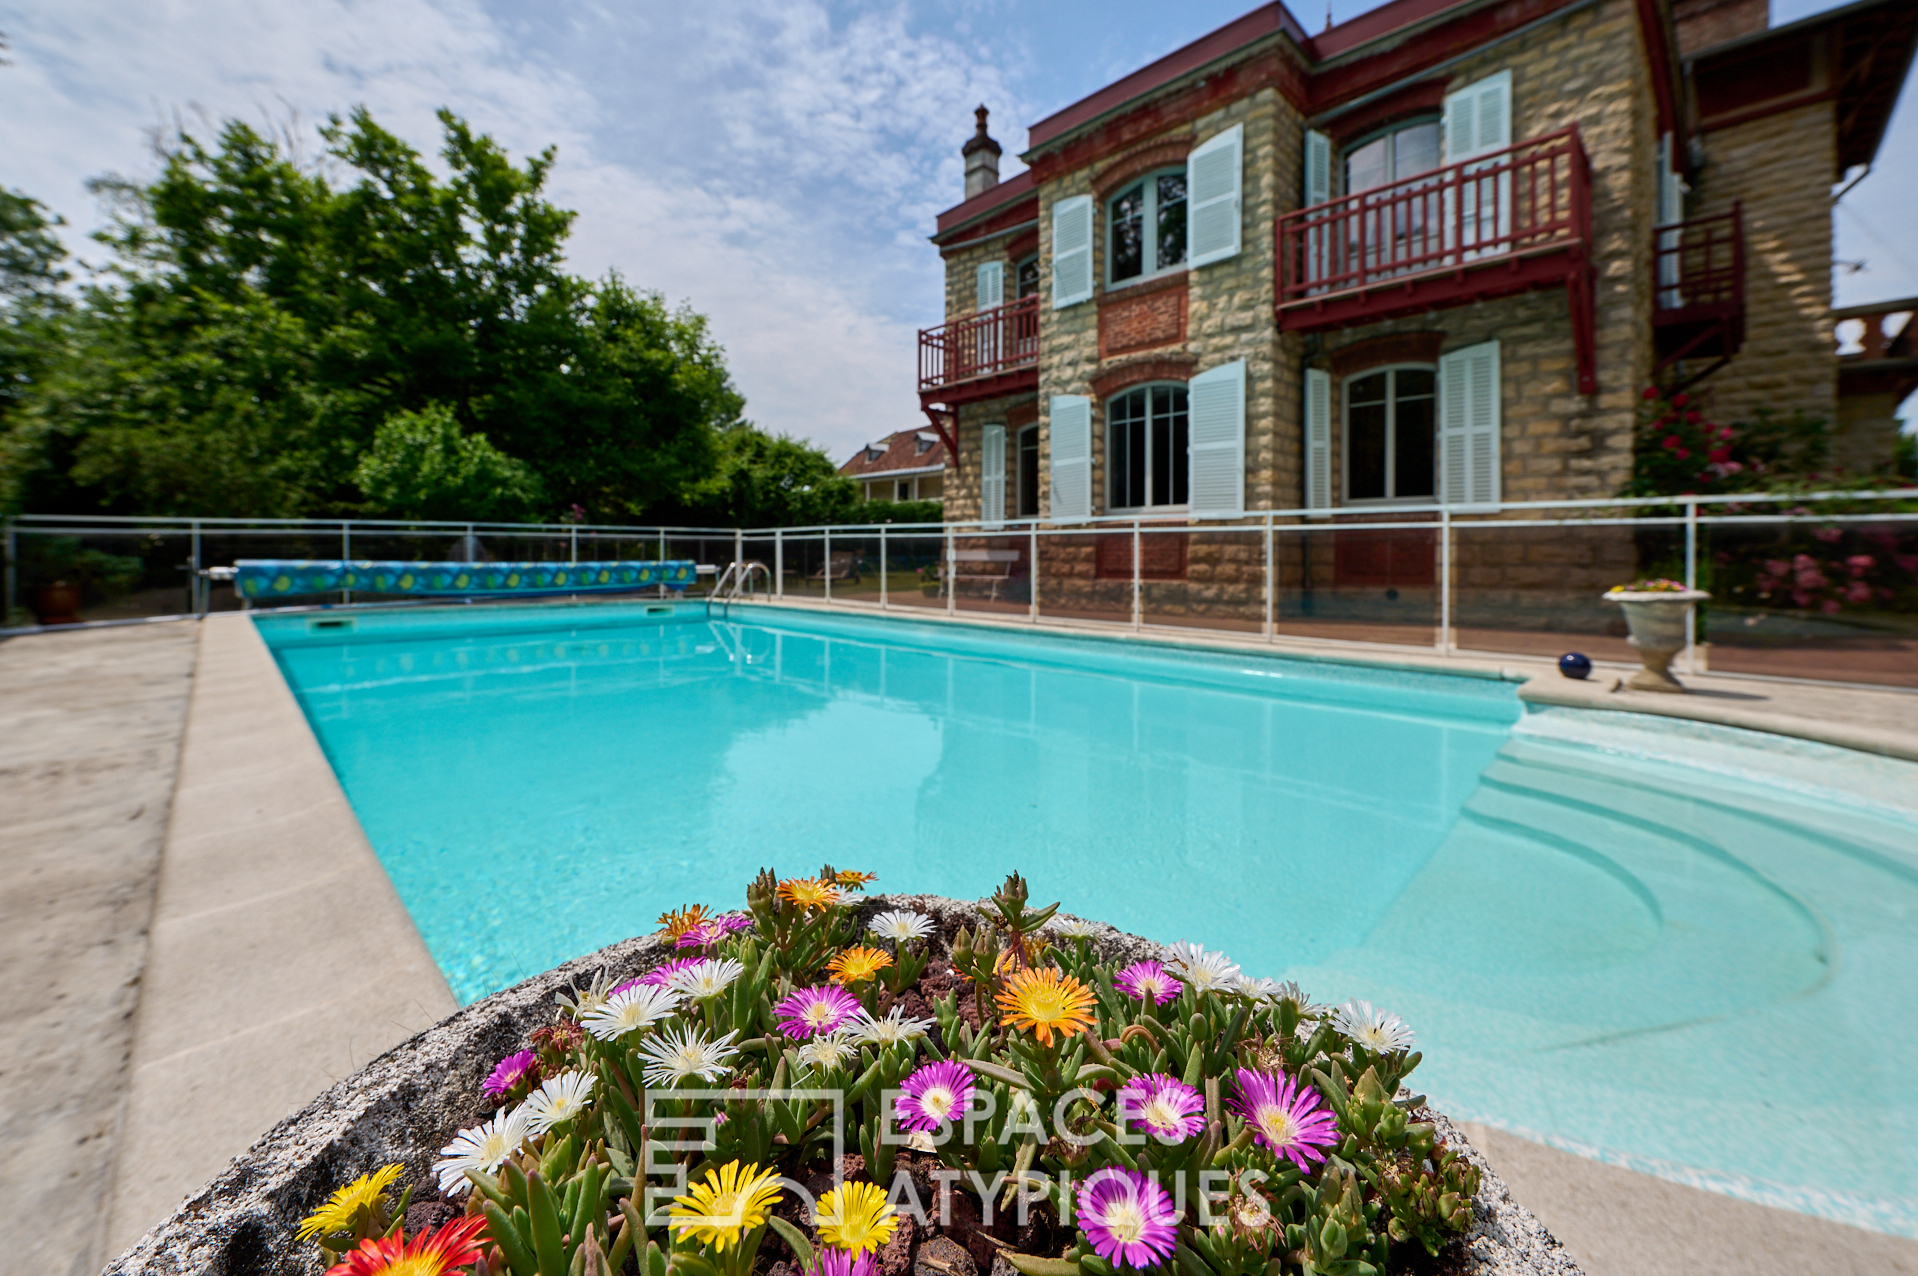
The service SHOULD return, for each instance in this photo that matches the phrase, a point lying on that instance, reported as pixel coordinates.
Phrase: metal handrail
(737, 578)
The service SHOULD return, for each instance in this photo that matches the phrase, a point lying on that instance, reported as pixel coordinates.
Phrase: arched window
(1146, 455)
(1145, 227)
(1405, 150)
(1391, 423)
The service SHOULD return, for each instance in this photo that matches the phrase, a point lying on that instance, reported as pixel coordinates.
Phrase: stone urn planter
(1657, 622)
(58, 603)
(404, 1106)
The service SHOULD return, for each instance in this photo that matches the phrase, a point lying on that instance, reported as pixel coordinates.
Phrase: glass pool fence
(1820, 586)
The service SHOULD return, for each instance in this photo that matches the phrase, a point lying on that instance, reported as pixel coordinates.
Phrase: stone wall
(1778, 167)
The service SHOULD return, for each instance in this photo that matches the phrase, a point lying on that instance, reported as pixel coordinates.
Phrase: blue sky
(776, 163)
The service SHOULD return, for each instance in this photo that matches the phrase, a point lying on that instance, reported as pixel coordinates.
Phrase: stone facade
(1777, 167)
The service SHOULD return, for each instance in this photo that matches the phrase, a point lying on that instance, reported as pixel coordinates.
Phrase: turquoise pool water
(1686, 949)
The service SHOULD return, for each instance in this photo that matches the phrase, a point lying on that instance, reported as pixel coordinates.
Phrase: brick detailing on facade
(1143, 316)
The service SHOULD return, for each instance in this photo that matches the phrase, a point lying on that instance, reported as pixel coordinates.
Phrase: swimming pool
(1682, 948)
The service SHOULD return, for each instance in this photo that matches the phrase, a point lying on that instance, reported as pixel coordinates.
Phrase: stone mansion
(1434, 253)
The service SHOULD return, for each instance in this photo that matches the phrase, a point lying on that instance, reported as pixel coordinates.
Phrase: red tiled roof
(902, 453)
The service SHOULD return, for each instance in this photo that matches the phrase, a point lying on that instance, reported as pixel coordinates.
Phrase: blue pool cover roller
(258, 578)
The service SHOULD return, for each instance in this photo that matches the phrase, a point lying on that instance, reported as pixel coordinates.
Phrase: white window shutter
(1478, 118)
(1318, 439)
(990, 285)
(1318, 168)
(992, 475)
(1070, 427)
(1213, 173)
(1468, 439)
(1071, 251)
(1216, 441)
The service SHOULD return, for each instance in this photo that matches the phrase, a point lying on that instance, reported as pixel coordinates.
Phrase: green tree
(33, 311)
(422, 466)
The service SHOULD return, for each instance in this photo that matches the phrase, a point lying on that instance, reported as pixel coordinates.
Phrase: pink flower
(1829, 606)
(1860, 563)
(934, 1094)
(1127, 1218)
(1674, 444)
(1858, 592)
(1829, 535)
(833, 1261)
(1777, 567)
(1162, 1105)
(1148, 981)
(1288, 1119)
(704, 935)
(658, 976)
(511, 1070)
(815, 1011)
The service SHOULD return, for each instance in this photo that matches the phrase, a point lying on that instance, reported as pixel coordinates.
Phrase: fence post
(952, 565)
(882, 569)
(739, 545)
(1444, 643)
(200, 595)
(779, 562)
(1691, 582)
(13, 582)
(346, 555)
(1137, 610)
(572, 538)
(1032, 571)
(826, 571)
(1268, 578)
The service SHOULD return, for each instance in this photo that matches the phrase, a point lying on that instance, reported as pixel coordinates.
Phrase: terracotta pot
(58, 603)
(1657, 623)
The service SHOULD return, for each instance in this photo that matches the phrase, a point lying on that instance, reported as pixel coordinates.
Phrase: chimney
(1702, 23)
(982, 159)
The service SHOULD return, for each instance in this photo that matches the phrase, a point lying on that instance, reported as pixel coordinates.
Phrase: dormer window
(1146, 228)
(875, 450)
(922, 442)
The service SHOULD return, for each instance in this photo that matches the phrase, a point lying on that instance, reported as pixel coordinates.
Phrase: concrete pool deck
(232, 969)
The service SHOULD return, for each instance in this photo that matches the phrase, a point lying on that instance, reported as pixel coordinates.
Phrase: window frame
(1018, 269)
(1177, 507)
(1345, 150)
(1149, 216)
(1391, 436)
(1018, 450)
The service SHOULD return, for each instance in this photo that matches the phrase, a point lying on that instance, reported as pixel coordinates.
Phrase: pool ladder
(737, 579)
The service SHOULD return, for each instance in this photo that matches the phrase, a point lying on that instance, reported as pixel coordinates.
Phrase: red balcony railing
(1698, 289)
(1430, 241)
(991, 343)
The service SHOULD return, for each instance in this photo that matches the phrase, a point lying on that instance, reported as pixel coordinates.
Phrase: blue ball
(1575, 664)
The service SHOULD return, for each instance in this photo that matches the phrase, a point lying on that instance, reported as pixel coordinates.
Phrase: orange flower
(853, 879)
(806, 892)
(1046, 1001)
(427, 1254)
(856, 965)
(681, 920)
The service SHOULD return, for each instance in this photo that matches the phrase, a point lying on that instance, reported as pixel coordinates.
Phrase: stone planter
(1657, 623)
(410, 1101)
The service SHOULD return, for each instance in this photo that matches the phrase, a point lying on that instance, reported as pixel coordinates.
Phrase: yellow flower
(853, 879)
(806, 892)
(1045, 1002)
(342, 1209)
(856, 965)
(856, 1216)
(681, 920)
(732, 1201)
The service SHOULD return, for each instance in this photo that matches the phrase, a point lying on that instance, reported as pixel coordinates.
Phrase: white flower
(1204, 971)
(629, 1010)
(1072, 928)
(901, 926)
(561, 1099)
(681, 1052)
(705, 979)
(482, 1148)
(588, 998)
(1377, 1031)
(827, 1052)
(895, 1027)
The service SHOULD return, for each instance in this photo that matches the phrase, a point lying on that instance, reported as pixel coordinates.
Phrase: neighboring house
(1433, 253)
(907, 466)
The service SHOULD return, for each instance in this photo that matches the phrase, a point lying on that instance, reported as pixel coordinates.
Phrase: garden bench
(989, 567)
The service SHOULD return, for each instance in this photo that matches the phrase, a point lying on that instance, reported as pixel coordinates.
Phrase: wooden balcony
(1506, 222)
(1698, 291)
(982, 356)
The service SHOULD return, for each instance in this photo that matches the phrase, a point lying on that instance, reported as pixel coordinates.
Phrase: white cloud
(776, 165)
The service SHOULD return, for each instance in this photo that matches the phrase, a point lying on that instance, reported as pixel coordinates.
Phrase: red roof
(901, 451)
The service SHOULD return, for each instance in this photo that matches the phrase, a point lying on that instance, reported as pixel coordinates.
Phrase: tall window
(1146, 448)
(1026, 276)
(1403, 152)
(1029, 472)
(1391, 421)
(1146, 227)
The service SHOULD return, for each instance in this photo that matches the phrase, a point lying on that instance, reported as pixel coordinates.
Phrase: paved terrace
(198, 939)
